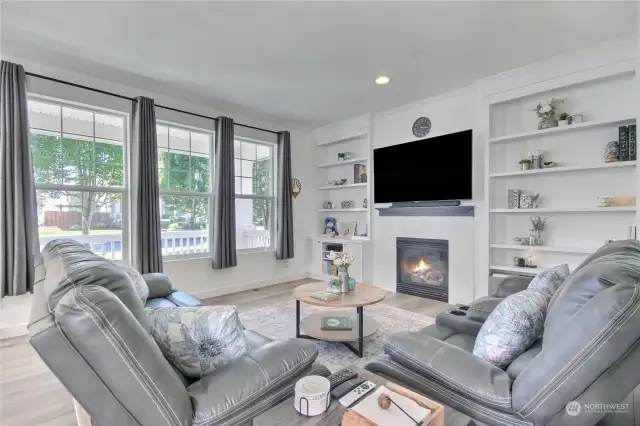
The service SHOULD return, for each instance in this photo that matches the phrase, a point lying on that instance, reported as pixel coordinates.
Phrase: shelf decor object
(546, 111)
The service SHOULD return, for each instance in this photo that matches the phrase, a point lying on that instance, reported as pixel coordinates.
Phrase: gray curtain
(224, 205)
(19, 244)
(284, 231)
(145, 226)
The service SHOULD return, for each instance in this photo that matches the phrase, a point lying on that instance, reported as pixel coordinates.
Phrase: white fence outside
(172, 242)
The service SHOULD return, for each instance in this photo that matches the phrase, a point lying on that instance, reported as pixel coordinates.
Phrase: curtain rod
(80, 86)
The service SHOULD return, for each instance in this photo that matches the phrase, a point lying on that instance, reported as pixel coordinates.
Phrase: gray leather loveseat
(90, 328)
(588, 353)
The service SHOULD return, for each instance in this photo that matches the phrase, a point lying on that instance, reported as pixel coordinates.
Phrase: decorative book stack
(627, 142)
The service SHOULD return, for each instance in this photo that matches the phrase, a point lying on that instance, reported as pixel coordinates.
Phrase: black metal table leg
(360, 331)
(297, 318)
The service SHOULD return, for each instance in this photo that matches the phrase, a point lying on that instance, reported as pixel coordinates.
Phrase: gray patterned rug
(279, 322)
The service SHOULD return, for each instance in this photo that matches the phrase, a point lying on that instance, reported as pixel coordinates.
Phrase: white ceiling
(309, 62)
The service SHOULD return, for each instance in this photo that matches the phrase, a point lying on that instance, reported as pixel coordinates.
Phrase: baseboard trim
(223, 291)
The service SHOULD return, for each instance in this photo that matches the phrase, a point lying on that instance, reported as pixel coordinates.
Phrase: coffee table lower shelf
(363, 326)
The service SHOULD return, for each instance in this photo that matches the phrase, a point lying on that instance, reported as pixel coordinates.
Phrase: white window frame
(210, 194)
(272, 197)
(123, 191)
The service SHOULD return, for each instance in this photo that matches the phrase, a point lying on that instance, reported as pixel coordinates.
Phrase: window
(78, 161)
(184, 173)
(255, 189)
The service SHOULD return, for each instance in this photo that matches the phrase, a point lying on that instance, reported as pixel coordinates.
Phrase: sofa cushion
(70, 264)
(511, 328)
(159, 285)
(511, 285)
(139, 284)
(452, 366)
(549, 281)
(243, 383)
(519, 364)
(198, 340)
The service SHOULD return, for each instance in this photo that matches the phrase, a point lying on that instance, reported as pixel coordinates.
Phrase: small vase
(535, 237)
(343, 276)
(547, 122)
(525, 166)
(563, 122)
(536, 162)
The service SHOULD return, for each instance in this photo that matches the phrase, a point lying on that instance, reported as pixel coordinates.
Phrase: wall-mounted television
(432, 169)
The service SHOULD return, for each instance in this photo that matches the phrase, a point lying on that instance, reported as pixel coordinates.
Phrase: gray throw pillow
(513, 326)
(549, 281)
(140, 285)
(197, 340)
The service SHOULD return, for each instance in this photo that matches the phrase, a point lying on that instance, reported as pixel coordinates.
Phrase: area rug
(279, 322)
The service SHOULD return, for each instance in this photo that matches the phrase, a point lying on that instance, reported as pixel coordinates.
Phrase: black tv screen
(431, 169)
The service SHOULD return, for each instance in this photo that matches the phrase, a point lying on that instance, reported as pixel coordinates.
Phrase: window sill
(196, 256)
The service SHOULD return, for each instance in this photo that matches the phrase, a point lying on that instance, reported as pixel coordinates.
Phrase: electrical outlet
(285, 263)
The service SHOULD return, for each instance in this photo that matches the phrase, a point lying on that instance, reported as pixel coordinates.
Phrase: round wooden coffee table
(364, 325)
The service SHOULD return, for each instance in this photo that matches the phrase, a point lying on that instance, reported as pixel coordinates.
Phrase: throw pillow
(197, 340)
(140, 285)
(513, 326)
(549, 281)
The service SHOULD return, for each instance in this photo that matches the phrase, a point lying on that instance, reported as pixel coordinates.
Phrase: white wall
(449, 113)
(196, 275)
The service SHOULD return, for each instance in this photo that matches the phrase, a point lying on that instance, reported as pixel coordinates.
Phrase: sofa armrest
(182, 299)
(159, 285)
(511, 285)
(456, 368)
(479, 310)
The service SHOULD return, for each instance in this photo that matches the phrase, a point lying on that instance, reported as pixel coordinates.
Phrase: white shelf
(341, 163)
(345, 139)
(522, 270)
(343, 210)
(558, 249)
(561, 169)
(338, 240)
(560, 129)
(349, 185)
(568, 210)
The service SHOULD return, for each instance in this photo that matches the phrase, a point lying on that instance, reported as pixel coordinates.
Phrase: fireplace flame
(421, 266)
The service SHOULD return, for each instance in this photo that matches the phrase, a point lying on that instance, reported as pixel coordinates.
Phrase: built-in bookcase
(576, 225)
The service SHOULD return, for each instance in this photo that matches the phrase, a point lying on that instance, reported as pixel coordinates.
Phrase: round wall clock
(421, 127)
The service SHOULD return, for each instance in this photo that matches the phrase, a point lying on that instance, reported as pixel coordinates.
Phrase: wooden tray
(436, 418)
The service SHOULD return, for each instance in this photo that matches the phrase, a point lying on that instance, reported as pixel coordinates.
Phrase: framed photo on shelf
(347, 229)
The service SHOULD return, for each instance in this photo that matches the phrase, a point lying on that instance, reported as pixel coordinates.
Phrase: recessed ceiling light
(383, 80)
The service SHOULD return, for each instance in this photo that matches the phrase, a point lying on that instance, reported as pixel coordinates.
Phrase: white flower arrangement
(341, 259)
(547, 108)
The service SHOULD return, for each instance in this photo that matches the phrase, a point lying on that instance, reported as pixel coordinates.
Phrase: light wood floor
(30, 395)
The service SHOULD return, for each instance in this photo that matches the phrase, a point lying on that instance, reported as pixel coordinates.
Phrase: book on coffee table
(335, 323)
(325, 296)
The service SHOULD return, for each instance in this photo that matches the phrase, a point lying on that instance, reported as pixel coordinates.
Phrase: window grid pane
(254, 183)
(184, 165)
(77, 146)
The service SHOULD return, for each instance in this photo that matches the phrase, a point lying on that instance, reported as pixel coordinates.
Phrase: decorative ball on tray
(611, 152)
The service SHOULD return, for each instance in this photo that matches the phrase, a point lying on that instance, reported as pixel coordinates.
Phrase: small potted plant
(563, 119)
(535, 234)
(525, 163)
(547, 113)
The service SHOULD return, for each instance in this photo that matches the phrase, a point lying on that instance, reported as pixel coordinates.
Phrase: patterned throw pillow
(197, 340)
(549, 281)
(513, 326)
(142, 289)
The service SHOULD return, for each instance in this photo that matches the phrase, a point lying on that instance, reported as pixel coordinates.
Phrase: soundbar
(450, 203)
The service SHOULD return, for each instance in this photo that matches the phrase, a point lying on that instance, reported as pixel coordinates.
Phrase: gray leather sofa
(162, 293)
(588, 353)
(90, 328)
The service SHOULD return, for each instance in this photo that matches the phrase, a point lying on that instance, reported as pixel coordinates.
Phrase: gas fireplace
(423, 268)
